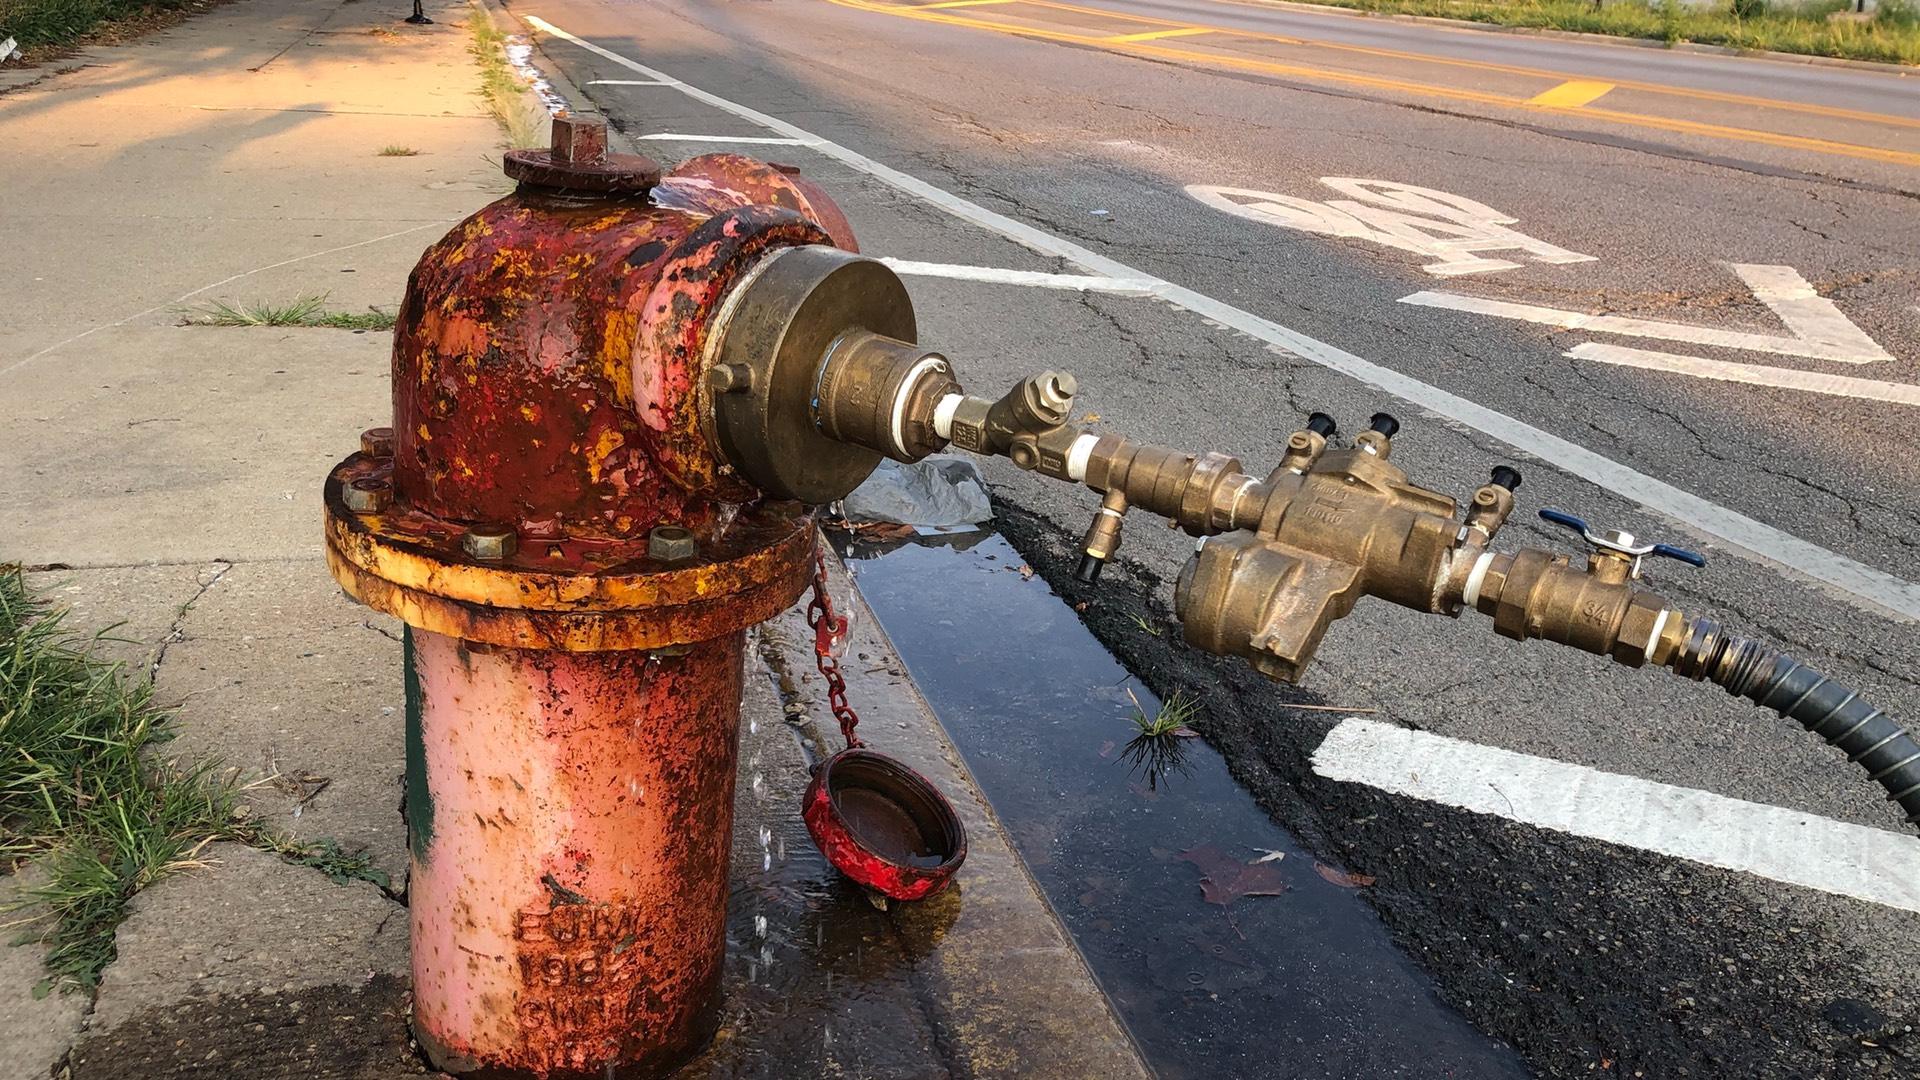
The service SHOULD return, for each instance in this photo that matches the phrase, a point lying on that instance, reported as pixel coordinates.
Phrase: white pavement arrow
(1818, 331)
(1814, 382)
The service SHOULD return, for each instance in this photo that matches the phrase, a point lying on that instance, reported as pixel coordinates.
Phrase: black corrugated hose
(1830, 710)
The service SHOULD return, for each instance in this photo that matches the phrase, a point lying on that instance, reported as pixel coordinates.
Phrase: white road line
(1861, 585)
(1034, 278)
(631, 82)
(749, 140)
(1818, 329)
(1771, 842)
(1815, 382)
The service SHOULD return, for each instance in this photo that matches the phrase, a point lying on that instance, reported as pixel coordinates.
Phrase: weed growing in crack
(507, 96)
(84, 794)
(306, 311)
(1171, 719)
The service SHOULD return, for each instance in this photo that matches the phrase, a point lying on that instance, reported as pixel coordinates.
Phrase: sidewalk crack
(176, 631)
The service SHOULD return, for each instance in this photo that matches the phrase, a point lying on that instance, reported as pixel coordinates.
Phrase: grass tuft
(83, 792)
(396, 150)
(1173, 717)
(306, 311)
(508, 97)
(1891, 36)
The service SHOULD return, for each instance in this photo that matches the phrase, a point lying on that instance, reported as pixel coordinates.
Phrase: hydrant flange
(570, 594)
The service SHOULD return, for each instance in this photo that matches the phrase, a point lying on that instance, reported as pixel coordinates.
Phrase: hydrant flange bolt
(730, 378)
(490, 543)
(670, 543)
(377, 442)
(368, 495)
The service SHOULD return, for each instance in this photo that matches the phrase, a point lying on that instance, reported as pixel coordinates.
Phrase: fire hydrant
(576, 569)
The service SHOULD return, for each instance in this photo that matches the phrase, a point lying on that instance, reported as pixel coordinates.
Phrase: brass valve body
(814, 377)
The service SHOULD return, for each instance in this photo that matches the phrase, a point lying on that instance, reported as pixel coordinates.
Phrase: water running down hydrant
(618, 398)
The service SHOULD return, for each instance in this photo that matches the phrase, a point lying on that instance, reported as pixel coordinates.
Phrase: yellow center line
(1155, 35)
(1724, 98)
(1571, 94)
(1267, 67)
(960, 3)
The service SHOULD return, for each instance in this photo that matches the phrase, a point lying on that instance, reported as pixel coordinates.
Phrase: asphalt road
(1772, 431)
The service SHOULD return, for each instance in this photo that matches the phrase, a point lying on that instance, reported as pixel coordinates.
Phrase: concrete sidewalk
(166, 479)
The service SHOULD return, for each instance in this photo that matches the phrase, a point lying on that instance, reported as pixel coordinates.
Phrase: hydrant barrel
(570, 816)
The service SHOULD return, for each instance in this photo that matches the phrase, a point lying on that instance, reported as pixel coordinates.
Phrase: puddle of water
(1307, 983)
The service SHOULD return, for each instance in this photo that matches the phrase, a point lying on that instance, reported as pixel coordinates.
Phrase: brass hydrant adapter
(816, 389)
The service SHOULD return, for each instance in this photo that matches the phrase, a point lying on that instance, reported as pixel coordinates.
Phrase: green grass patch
(1892, 35)
(62, 22)
(306, 311)
(508, 97)
(397, 151)
(86, 794)
(1172, 718)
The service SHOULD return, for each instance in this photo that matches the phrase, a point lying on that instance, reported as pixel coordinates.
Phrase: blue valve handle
(1561, 517)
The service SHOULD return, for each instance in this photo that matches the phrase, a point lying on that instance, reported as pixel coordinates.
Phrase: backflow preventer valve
(811, 388)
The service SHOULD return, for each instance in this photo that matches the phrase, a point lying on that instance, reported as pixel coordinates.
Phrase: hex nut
(377, 442)
(579, 138)
(367, 495)
(490, 543)
(670, 543)
(729, 378)
(969, 428)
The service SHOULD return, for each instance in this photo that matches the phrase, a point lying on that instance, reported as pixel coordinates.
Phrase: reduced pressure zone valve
(821, 379)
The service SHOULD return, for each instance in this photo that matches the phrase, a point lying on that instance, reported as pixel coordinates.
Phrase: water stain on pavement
(1222, 949)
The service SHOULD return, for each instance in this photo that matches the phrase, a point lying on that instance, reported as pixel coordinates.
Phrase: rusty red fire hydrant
(577, 565)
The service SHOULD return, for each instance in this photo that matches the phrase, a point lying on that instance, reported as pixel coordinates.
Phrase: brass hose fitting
(880, 393)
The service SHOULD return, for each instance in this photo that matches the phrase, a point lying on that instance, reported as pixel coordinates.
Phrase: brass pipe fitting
(1103, 537)
(880, 393)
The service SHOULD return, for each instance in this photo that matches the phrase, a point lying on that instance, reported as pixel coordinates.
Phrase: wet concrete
(321, 1033)
(1303, 984)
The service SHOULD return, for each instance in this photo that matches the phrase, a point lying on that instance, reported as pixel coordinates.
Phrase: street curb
(498, 14)
(1904, 70)
(1014, 986)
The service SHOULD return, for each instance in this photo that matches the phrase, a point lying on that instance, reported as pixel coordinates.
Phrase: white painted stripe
(1862, 585)
(632, 82)
(749, 140)
(1819, 331)
(1752, 374)
(1038, 279)
(1768, 841)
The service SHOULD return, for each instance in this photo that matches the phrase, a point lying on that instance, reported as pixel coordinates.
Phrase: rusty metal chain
(827, 627)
